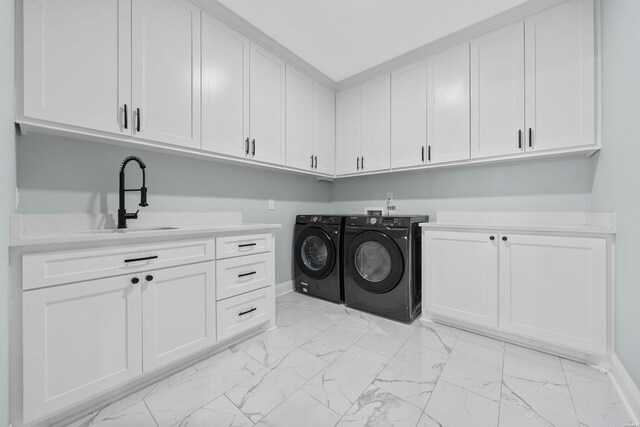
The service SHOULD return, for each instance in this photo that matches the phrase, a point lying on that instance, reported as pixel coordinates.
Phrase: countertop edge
(42, 240)
(584, 229)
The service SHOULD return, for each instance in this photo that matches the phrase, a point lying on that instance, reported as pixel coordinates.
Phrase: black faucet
(123, 216)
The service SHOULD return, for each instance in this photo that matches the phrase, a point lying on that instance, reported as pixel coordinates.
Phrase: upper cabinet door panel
(299, 121)
(77, 60)
(348, 115)
(448, 105)
(409, 115)
(324, 129)
(560, 77)
(225, 88)
(376, 124)
(267, 114)
(497, 92)
(166, 71)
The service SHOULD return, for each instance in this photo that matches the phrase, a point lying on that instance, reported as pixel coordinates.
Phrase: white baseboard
(284, 287)
(625, 387)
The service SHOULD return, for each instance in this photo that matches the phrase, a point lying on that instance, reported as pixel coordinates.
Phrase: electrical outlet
(272, 205)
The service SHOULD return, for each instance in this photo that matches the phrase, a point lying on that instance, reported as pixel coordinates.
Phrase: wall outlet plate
(272, 205)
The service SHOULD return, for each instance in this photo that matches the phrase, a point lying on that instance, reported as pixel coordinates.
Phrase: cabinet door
(553, 289)
(178, 306)
(497, 92)
(225, 89)
(560, 77)
(448, 105)
(348, 112)
(324, 129)
(79, 340)
(376, 124)
(461, 276)
(166, 71)
(267, 106)
(77, 63)
(409, 115)
(299, 121)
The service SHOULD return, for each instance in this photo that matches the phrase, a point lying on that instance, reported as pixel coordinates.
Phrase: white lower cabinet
(550, 289)
(553, 289)
(85, 338)
(79, 340)
(461, 277)
(178, 313)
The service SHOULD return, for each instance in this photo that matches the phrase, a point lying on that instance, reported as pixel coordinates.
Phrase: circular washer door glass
(373, 261)
(314, 253)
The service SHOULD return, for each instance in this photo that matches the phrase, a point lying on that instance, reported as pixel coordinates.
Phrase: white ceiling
(344, 37)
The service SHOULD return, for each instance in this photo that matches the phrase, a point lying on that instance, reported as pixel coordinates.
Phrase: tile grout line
(151, 413)
(573, 403)
(504, 356)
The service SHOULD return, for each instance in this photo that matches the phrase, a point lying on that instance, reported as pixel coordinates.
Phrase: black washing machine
(382, 265)
(317, 256)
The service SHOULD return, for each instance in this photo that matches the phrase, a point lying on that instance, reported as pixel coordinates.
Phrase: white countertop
(551, 222)
(31, 230)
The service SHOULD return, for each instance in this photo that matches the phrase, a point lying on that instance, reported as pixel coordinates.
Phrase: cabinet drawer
(243, 312)
(236, 276)
(54, 268)
(231, 246)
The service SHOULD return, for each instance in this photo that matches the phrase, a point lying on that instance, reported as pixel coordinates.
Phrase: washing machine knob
(373, 221)
(314, 219)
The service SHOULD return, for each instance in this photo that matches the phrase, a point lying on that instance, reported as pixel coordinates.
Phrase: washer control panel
(384, 221)
(318, 219)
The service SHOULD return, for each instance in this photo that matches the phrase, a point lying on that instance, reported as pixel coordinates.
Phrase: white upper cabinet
(448, 105)
(560, 77)
(376, 124)
(267, 106)
(348, 112)
(299, 123)
(225, 89)
(324, 129)
(166, 71)
(497, 92)
(77, 63)
(409, 115)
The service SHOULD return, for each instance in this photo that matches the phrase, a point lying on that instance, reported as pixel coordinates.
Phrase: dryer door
(375, 262)
(315, 253)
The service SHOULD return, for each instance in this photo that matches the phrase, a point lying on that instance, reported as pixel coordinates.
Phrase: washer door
(314, 253)
(375, 262)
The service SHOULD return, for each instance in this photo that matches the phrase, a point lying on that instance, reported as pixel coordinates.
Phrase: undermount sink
(125, 230)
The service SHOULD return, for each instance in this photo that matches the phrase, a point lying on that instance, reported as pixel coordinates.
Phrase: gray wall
(60, 175)
(617, 179)
(7, 191)
(558, 184)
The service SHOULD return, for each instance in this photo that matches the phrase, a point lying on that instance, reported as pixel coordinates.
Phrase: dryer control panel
(385, 221)
(318, 219)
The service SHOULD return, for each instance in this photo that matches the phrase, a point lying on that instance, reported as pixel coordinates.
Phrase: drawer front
(235, 276)
(232, 246)
(243, 312)
(54, 268)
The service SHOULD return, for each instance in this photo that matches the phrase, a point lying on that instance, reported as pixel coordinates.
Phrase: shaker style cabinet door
(225, 89)
(348, 115)
(461, 276)
(77, 63)
(376, 124)
(324, 129)
(299, 128)
(267, 107)
(448, 105)
(409, 115)
(497, 92)
(560, 77)
(166, 71)
(178, 306)
(553, 289)
(84, 338)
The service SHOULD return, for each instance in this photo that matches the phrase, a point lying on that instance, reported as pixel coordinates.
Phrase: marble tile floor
(328, 365)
